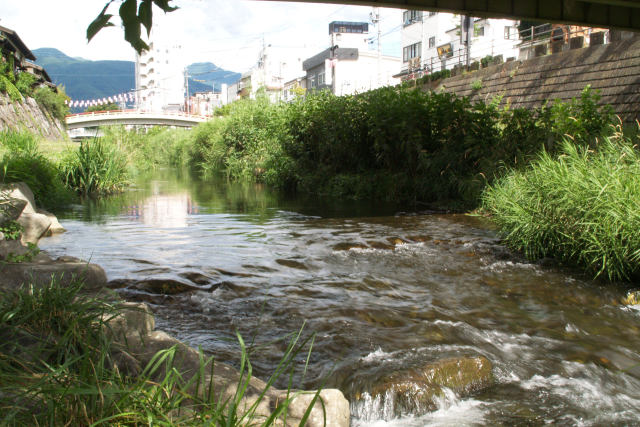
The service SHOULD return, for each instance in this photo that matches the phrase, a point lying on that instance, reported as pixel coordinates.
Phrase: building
(294, 88)
(275, 66)
(160, 77)
(20, 57)
(204, 103)
(433, 41)
(347, 66)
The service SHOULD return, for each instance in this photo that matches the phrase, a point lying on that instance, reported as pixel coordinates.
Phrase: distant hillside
(208, 74)
(85, 79)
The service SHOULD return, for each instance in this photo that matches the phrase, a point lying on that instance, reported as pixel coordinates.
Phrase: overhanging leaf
(145, 14)
(100, 22)
(164, 5)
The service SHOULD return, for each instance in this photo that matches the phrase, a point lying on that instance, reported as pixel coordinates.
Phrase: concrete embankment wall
(613, 69)
(27, 115)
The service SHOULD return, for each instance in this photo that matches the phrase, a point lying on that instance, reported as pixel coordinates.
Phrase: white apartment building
(275, 67)
(433, 41)
(347, 66)
(160, 78)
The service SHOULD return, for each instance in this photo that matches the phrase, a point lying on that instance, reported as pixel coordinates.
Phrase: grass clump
(23, 161)
(57, 367)
(97, 167)
(581, 207)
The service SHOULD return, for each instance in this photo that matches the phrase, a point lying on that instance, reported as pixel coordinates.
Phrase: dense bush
(22, 161)
(52, 101)
(582, 207)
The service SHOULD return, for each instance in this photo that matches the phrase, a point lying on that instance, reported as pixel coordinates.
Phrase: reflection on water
(382, 293)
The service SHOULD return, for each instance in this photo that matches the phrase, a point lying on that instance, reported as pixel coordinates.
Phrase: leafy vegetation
(401, 145)
(23, 161)
(58, 367)
(11, 230)
(52, 101)
(112, 106)
(581, 207)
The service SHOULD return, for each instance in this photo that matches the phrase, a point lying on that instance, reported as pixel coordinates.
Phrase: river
(382, 291)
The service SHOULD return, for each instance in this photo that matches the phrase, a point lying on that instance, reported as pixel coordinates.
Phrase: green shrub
(23, 161)
(25, 83)
(581, 207)
(52, 101)
(7, 86)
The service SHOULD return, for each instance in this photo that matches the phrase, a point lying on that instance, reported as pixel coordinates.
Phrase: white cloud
(228, 33)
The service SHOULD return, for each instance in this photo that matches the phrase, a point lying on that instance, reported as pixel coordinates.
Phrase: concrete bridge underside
(616, 14)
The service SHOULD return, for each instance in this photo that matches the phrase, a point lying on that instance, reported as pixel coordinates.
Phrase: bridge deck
(133, 117)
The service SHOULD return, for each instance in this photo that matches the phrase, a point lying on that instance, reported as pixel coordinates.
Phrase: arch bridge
(132, 117)
(616, 14)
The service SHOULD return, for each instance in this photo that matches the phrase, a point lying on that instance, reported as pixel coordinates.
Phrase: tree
(112, 106)
(134, 15)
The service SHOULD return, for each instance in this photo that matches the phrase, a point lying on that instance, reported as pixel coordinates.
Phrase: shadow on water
(383, 293)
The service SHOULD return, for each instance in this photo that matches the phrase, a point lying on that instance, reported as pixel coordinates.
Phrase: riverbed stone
(11, 247)
(35, 226)
(416, 389)
(55, 227)
(20, 191)
(11, 208)
(40, 272)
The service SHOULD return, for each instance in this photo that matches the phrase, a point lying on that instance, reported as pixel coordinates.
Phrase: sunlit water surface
(382, 292)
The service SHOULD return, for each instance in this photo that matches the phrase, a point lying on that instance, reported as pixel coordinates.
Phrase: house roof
(17, 42)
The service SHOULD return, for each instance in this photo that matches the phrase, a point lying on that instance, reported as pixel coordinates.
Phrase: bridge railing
(175, 114)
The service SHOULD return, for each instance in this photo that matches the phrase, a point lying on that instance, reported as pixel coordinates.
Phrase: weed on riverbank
(57, 367)
(23, 161)
(581, 207)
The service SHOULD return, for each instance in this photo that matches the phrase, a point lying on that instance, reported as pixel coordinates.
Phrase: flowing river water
(381, 291)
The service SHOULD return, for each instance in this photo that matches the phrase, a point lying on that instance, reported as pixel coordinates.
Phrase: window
(411, 16)
(433, 13)
(478, 31)
(321, 79)
(412, 51)
(432, 42)
(312, 81)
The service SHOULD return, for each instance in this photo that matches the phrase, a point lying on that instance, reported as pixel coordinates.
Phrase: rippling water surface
(382, 292)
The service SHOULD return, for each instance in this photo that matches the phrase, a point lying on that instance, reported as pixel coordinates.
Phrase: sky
(228, 33)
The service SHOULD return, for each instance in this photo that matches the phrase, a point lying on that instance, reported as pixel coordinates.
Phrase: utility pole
(375, 20)
(186, 79)
(465, 35)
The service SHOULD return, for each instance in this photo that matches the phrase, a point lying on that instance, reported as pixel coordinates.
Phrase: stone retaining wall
(27, 115)
(613, 69)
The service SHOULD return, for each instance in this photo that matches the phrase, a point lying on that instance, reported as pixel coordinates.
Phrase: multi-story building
(275, 67)
(433, 41)
(160, 77)
(347, 66)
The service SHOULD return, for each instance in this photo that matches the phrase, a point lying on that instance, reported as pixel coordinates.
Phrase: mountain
(85, 79)
(209, 74)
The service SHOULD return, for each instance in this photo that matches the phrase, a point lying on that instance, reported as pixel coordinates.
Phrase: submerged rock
(415, 391)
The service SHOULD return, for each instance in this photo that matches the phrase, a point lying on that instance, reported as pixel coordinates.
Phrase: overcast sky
(228, 33)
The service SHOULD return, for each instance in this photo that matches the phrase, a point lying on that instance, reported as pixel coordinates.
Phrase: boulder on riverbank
(19, 205)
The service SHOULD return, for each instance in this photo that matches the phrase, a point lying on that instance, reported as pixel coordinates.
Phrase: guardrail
(177, 114)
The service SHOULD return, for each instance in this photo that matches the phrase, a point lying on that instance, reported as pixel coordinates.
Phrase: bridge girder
(615, 14)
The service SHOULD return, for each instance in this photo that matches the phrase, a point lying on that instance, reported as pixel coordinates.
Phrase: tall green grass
(57, 367)
(97, 167)
(23, 161)
(581, 207)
